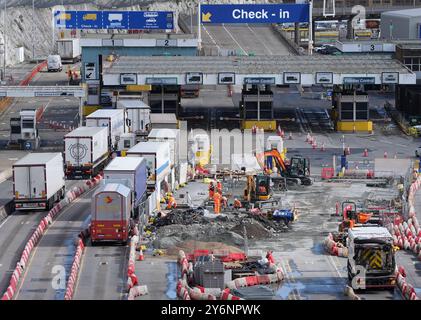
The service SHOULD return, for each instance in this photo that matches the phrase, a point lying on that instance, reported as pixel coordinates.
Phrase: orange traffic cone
(385, 154)
(365, 153)
(141, 257)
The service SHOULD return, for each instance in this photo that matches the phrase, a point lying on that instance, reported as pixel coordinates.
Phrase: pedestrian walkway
(160, 275)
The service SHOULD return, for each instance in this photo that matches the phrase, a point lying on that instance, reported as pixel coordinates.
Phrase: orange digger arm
(275, 153)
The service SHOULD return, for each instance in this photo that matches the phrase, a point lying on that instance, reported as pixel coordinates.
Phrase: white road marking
(335, 266)
(393, 143)
(5, 220)
(210, 36)
(262, 42)
(232, 37)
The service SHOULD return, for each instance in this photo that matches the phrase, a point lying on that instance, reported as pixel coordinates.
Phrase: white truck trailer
(371, 258)
(132, 172)
(69, 50)
(85, 152)
(38, 181)
(172, 136)
(136, 115)
(111, 118)
(157, 155)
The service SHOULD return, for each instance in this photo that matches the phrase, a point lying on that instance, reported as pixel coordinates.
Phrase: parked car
(330, 50)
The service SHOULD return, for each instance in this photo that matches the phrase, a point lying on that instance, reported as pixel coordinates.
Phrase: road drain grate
(107, 255)
(35, 290)
(41, 279)
(63, 255)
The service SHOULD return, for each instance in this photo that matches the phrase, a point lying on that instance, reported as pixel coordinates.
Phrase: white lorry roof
(115, 187)
(124, 164)
(163, 118)
(104, 113)
(148, 147)
(85, 131)
(163, 133)
(368, 233)
(132, 104)
(37, 158)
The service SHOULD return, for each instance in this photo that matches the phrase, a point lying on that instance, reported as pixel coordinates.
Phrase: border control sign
(254, 13)
(127, 20)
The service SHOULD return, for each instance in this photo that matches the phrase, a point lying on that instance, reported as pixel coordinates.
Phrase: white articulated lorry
(136, 115)
(111, 118)
(69, 50)
(85, 152)
(157, 156)
(172, 136)
(38, 181)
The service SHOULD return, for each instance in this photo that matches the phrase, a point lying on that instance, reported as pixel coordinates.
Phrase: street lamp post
(33, 29)
(4, 39)
(310, 28)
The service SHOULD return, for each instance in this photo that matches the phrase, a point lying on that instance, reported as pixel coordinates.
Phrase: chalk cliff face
(24, 30)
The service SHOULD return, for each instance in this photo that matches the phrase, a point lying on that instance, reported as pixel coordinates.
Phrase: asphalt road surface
(55, 252)
(102, 273)
(15, 231)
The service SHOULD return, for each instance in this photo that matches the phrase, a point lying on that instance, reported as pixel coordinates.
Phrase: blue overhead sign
(115, 20)
(254, 13)
(127, 20)
(89, 20)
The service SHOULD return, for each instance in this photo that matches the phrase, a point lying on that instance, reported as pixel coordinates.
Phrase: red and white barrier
(226, 295)
(39, 231)
(255, 280)
(74, 271)
(133, 287)
(407, 290)
(335, 248)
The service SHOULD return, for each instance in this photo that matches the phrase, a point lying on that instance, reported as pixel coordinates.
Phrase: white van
(54, 63)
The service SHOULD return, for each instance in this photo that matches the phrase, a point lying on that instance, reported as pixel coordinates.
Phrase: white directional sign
(90, 71)
(42, 91)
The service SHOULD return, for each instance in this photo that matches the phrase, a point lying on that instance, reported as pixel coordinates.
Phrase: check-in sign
(254, 13)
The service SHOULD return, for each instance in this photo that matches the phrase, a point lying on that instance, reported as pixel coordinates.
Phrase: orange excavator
(297, 171)
(351, 217)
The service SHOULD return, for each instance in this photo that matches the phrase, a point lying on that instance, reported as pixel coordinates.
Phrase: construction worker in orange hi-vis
(237, 204)
(219, 186)
(211, 190)
(269, 256)
(171, 203)
(217, 202)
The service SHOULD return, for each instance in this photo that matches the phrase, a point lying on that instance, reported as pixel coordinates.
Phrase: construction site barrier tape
(40, 230)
